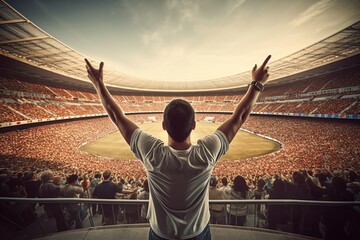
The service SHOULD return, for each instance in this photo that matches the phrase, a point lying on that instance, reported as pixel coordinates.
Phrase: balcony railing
(37, 217)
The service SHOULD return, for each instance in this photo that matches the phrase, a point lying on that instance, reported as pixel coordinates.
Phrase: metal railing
(36, 217)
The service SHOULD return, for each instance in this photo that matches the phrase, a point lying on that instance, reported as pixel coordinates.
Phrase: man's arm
(125, 125)
(232, 125)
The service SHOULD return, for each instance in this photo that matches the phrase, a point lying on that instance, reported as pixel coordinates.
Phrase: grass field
(244, 145)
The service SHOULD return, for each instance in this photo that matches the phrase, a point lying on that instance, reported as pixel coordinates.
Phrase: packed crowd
(315, 145)
(300, 219)
(318, 147)
(20, 100)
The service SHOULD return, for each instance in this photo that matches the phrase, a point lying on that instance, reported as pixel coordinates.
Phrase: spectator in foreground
(108, 190)
(49, 190)
(144, 195)
(93, 183)
(217, 214)
(239, 190)
(335, 217)
(179, 173)
(224, 183)
(260, 193)
(276, 214)
(85, 185)
(72, 190)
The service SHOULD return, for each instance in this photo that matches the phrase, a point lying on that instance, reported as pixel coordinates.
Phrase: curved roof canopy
(23, 40)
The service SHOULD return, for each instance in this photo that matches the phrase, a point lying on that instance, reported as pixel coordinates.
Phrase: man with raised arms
(179, 172)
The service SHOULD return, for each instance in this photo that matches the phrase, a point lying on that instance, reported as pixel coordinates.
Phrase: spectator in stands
(144, 195)
(15, 183)
(317, 193)
(217, 212)
(108, 190)
(132, 210)
(276, 215)
(93, 183)
(224, 182)
(260, 193)
(354, 184)
(31, 186)
(4, 187)
(49, 190)
(181, 169)
(72, 190)
(239, 190)
(58, 181)
(335, 217)
(297, 189)
(85, 185)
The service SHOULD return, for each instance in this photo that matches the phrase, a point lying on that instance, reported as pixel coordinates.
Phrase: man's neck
(186, 144)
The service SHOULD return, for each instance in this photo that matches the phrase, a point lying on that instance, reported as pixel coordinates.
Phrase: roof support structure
(23, 40)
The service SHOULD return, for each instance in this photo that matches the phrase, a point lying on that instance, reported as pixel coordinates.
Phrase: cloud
(313, 11)
(235, 5)
(149, 38)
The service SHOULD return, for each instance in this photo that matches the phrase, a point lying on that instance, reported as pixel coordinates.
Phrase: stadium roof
(23, 41)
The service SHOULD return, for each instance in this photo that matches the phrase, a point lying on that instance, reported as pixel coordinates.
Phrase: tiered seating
(76, 94)
(61, 93)
(293, 97)
(318, 84)
(36, 88)
(58, 110)
(353, 109)
(31, 110)
(335, 106)
(288, 107)
(272, 107)
(346, 77)
(7, 115)
(12, 84)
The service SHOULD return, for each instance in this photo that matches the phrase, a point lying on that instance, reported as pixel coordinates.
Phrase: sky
(185, 40)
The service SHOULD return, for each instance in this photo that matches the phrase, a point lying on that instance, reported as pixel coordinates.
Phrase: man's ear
(194, 125)
(163, 126)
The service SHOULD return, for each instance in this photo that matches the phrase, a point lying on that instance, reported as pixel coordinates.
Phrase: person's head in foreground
(179, 119)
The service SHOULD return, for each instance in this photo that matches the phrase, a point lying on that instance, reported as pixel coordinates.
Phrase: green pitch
(244, 145)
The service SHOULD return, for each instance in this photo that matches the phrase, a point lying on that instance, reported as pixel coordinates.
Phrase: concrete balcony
(141, 231)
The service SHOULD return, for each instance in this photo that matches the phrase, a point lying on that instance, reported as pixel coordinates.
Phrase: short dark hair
(106, 174)
(213, 181)
(179, 117)
(224, 181)
(146, 185)
(240, 185)
(72, 178)
(261, 183)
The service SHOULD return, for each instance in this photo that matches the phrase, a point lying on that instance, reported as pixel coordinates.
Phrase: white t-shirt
(178, 182)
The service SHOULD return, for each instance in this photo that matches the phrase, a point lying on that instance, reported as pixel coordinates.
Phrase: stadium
(51, 118)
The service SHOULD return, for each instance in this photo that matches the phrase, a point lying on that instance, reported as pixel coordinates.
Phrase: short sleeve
(214, 146)
(143, 145)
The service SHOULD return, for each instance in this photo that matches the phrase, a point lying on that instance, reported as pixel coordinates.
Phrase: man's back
(177, 207)
(178, 182)
(106, 190)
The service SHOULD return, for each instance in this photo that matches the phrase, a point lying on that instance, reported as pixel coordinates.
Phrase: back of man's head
(224, 181)
(106, 174)
(72, 178)
(213, 181)
(179, 117)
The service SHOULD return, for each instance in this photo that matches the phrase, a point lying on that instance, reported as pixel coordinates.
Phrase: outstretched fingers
(101, 67)
(266, 61)
(88, 65)
(254, 68)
